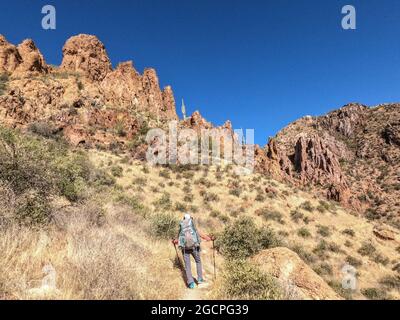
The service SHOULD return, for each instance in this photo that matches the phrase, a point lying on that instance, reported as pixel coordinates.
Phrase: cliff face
(84, 98)
(351, 154)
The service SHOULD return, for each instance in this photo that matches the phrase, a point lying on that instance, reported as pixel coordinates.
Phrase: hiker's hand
(212, 237)
(174, 241)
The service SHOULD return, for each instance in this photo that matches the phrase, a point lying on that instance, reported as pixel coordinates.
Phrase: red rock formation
(87, 55)
(9, 56)
(32, 60)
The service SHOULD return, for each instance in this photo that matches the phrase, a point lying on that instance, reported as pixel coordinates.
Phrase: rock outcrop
(9, 56)
(294, 274)
(87, 55)
(32, 60)
(84, 99)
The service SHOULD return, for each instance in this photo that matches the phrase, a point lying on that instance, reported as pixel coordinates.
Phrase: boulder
(289, 269)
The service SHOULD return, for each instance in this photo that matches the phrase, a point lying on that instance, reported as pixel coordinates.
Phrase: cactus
(183, 108)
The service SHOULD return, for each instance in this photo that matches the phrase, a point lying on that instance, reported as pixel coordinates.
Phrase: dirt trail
(202, 291)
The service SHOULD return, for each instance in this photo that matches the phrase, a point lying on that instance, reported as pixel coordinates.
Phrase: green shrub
(33, 208)
(381, 259)
(354, 261)
(304, 255)
(349, 232)
(323, 231)
(164, 202)
(117, 171)
(243, 239)
(324, 269)
(374, 293)
(391, 282)
(367, 249)
(296, 215)
(304, 233)
(3, 82)
(43, 129)
(337, 286)
(306, 205)
(164, 226)
(244, 281)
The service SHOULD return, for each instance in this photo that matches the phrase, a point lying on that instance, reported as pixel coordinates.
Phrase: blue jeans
(188, 267)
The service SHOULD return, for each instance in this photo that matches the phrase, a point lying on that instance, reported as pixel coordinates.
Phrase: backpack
(188, 237)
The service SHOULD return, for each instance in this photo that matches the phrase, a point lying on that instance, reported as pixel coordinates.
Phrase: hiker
(189, 242)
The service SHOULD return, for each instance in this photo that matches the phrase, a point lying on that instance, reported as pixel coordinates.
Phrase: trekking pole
(215, 274)
(177, 255)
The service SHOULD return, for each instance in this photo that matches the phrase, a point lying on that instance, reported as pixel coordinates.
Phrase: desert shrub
(188, 197)
(180, 207)
(235, 192)
(164, 202)
(324, 269)
(73, 171)
(25, 163)
(338, 287)
(209, 197)
(374, 293)
(102, 178)
(323, 247)
(245, 281)
(43, 129)
(203, 181)
(270, 215)
(323, 231)
(390, 282)
(33, 208)
(259, 197)
(306, 205)
(304, 255)
(296, 215)
(164, 226)
(165, 174)
(367, 249)
(323, 206)
(117, 171)
(353, 261)
(381, 259)
(3, 82)
(42, 166)
(133, 203)
(349, 232)
(304, 233)
(243, 239)
(140, 181)
(371, 214)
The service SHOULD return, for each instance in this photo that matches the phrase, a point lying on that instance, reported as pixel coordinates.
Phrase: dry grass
(102, 249)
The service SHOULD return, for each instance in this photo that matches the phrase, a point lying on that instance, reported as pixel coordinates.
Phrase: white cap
(187, 216)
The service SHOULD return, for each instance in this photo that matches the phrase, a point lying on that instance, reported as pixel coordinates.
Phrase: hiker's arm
(204, 236)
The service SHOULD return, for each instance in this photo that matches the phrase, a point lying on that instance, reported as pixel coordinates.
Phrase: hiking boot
(201, 280)
(191, 285)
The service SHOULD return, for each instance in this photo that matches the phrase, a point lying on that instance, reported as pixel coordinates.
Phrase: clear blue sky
(261, 64)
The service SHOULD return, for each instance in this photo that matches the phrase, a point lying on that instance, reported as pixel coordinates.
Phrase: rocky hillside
(311, 207)
(84, 98)
(351, 155)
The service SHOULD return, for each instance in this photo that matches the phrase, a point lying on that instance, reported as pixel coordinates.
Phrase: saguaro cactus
(183, 108)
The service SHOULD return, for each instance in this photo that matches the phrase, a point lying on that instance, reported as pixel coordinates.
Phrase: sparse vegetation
(244, 281)
(243, 238)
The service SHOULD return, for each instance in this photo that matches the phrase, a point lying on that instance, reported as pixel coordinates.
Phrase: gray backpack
(188, 237)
